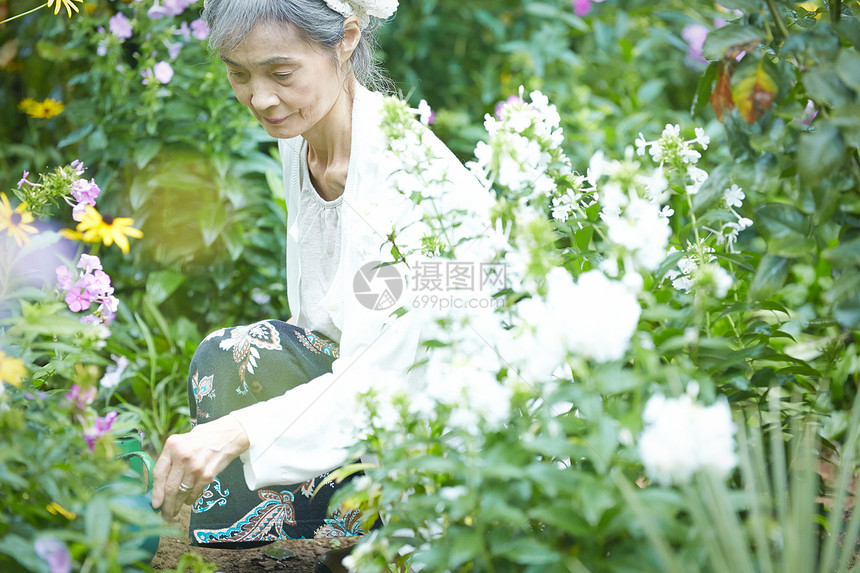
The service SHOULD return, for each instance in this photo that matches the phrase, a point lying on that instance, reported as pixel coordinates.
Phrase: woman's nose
(263, 97)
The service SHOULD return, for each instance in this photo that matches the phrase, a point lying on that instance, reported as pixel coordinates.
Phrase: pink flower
(78, 211)
(583, 7)
(157, 12)
(81, 399)
(199, 29)
(65, 279)
(99, 428)
(99, 284)
(24, 180)
(173, 49)
(85, 191)
(120, 26)
(176, 7)
(89, 263)
(78, 298)
(184, 31)
(55, 553)
(78, 166)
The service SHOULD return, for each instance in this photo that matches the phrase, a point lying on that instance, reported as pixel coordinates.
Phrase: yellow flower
(69, 5)
(11, 370)
(94, 229)
(16, 221)
(58, 509)
(44, 109)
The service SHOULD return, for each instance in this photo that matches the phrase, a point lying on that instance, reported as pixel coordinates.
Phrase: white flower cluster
(699, 269)
(682, 436)
(733, 198)
(631, 207)
(672, 148)
(523, 152)
(594, 318)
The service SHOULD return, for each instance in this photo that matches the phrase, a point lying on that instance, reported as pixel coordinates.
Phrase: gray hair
(231, 20)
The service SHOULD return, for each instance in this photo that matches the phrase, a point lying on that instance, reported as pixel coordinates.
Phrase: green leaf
(145, 151)
(23, 552)
(845, 254)
(76, 135)
(771, 275)
(819, 152)
(527, 551)
(160, 285)
(97, 521)
(847, 119)
(786, 229)
(824, 86)
(705, 88)
(848, 68)
(721, 39)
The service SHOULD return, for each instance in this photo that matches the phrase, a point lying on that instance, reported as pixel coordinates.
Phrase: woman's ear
(351, 37)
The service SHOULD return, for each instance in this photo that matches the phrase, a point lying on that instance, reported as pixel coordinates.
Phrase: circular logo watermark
(377, 286)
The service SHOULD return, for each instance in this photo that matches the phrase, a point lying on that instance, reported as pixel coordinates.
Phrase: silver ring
(184, 488)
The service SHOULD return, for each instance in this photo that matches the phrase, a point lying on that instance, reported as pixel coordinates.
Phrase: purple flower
(163, 72)
(89, 263)
(78, 298)
(809, 113)
(78, 166)
(173, 49)
(199, 29)
(500, 107)
(85, 191)
(101, 50)
(157, 12)
(695, 35)
(120, 26)
(81, 399)
(184, 31)
(99, 428)
(78, 211)
(55, 553)
(176, 7)
(65, 279)
(24, 180)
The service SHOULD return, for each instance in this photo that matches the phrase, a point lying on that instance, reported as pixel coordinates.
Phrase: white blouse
(319, 244)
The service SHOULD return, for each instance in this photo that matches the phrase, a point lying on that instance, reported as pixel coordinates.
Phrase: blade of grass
(835, 521)
(752, 480)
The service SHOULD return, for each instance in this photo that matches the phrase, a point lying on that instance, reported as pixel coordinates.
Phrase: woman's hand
(191, 461)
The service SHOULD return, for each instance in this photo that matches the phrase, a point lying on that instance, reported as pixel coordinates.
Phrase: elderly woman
(273, 403)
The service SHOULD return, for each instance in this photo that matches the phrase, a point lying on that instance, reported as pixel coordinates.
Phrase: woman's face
(288, 84)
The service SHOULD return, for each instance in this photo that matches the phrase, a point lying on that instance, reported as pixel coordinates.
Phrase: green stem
(23, 14)
(774, 11)
(835, 10)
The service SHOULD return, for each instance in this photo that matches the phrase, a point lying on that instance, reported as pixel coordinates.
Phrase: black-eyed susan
(12, 370)
(95, 228)
(69, 5)
(41, 109)
(16, 222)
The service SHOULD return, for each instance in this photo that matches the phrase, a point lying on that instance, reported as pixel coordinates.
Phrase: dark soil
(307, 551)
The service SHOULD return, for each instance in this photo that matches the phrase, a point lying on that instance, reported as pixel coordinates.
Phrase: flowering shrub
(625, 285)
(58, 446)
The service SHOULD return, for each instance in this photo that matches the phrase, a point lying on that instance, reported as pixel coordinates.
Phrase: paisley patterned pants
(238, 367)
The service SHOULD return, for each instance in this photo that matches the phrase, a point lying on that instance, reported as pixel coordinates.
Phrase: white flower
(641, 144)
(682, 436)
(424, 112)
(114, 372)
(698, 178)
(671, 130)
(717, 276)
(734, 196)
(363, 9)
(701, 138)
(642, 230)
(689, 155)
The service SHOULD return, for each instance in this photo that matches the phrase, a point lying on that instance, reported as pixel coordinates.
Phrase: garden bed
(307, 551)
